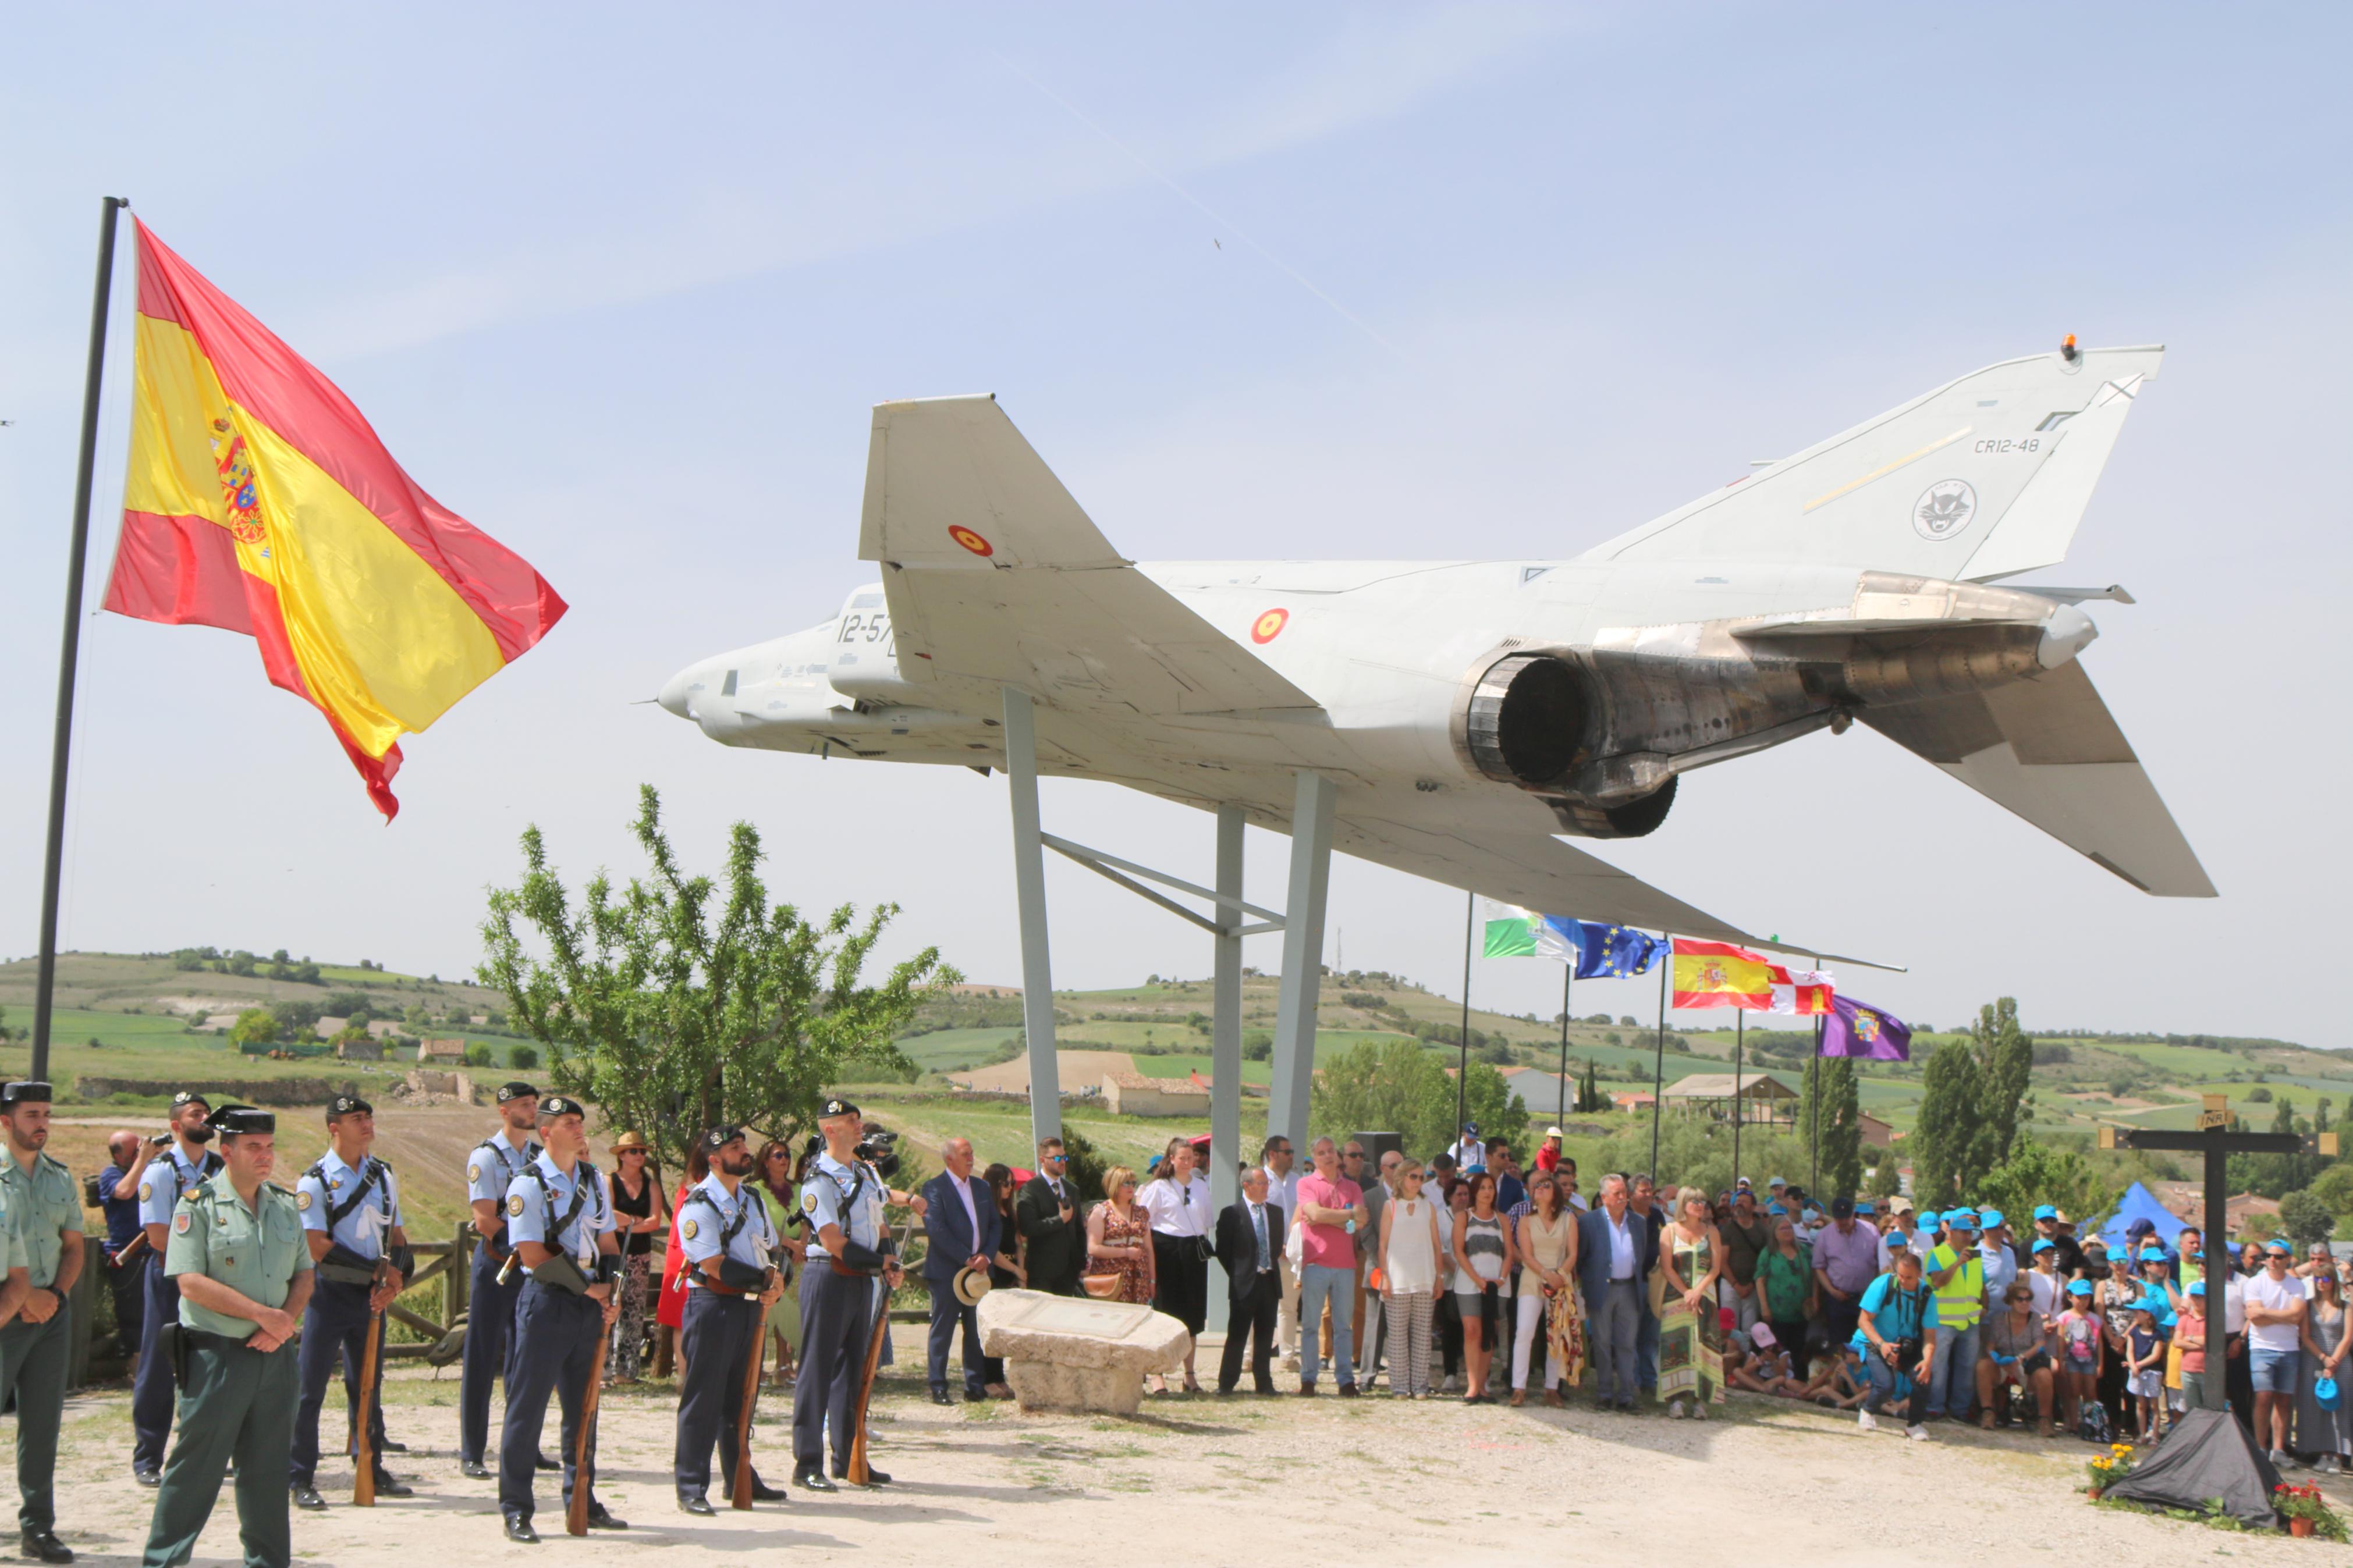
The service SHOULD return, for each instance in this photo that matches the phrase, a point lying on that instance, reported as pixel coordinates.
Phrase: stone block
(1075, 1353)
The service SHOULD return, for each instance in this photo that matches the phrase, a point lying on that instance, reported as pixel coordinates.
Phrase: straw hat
(631, 1139)
(971, 1284)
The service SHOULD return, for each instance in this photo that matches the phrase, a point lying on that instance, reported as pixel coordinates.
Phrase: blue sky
(1396, 282)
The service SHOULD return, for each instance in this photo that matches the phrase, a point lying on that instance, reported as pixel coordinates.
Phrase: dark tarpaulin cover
(2209, 1455)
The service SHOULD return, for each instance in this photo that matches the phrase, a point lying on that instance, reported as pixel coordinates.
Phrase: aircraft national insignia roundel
(1265, 628)
(971, 541)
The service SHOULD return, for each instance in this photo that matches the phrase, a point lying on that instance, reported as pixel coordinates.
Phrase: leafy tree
(296, 1018)
(2259, 1094)
(2334, 1187)
(523, 1057)
(2005, 1062)
(2038, 1173)
(1884, 1181)
(255, 1030)
(1383, 1086)
(1842, 1146)
(1953, 1146)
(1487, 1101)
(677, 1003)
(476, 1056)
(1589, 1098)
(1085, 1170)
(2306, 1218)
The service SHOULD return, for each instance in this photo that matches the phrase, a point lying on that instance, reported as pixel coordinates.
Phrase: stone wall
(220, 1091)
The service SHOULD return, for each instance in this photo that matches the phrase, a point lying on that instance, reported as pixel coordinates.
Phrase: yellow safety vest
(1960, 1299)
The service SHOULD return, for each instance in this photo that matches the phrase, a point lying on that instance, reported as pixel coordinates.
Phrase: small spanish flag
(259, 501)
(1719, 975)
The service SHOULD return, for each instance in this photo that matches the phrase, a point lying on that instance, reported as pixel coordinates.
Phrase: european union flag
(1606, 952)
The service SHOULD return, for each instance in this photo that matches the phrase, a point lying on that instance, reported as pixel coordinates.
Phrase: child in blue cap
(2078, 1334)
(2143, 1379)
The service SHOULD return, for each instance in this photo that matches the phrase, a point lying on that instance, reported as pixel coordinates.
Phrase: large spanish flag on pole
(1719, 975)
(260, 501)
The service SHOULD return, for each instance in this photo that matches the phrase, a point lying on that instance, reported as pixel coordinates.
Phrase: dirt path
(1237, 1481)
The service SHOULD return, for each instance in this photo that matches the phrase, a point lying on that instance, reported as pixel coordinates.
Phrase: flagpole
(1739, 1106)
(1658, 1068)
(70, 647)
(1560, 1115)
(1462, 1058)
(1813, 1099)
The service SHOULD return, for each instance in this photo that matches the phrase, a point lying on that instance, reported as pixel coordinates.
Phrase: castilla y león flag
(260, 501)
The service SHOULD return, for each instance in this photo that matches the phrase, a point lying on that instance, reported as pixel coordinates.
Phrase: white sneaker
(1867, 1421)
(2284, 1460)
(1675, 1411)
(1917, 1434)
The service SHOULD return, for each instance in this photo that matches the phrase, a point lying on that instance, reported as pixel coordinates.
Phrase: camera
(878, 1147)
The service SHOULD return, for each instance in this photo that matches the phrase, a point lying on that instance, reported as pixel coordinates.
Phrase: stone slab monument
(1075, 1353)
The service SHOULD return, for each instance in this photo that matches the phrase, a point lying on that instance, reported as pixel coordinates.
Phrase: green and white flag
(1514, 932)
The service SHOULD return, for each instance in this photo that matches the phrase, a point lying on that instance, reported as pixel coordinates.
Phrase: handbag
(1102, 1287)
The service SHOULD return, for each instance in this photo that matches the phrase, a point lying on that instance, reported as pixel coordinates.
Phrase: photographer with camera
(846, 1251)
(1898, 1325)
(173, 1163)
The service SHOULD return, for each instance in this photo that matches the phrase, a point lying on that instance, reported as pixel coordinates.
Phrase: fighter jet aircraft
(1476, 716)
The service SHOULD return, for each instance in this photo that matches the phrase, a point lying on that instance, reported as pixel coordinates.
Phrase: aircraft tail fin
(2048, 749)
(1983, 477)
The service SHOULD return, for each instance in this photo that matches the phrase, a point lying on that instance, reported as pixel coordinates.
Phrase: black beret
(189, 1096)
(346, 1105)
(515, 1089)
(559, 1105)
(230, 1119)
(717, 1138)
(24, 1091)
(836, 1107)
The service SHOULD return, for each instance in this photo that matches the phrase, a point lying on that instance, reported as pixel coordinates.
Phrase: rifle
(856, 1468)
(363, 1450)
(740, 1495)
(575, 1511)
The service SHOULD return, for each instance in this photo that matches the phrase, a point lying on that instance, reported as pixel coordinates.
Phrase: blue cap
(2197, 1287)
(1990, 1218)
(1776, 1208)
(2079, 1287)
(2157, 1254)
(2151, 1302)
(2046, 1245)
(1928, 1218)
(2276, 1244)
(2046, 1211)
(1960, 1219)
(1864, 1205)
(1775, 1181)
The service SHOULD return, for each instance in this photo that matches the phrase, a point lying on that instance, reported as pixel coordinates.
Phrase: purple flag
(1858, 1029)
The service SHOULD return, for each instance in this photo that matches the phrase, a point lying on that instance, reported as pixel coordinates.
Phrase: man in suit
(1612, 1242)
(960, 1221)
(1249, 1244)
(1047, 1213)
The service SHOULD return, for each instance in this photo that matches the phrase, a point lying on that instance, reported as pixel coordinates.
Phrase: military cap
(556, 1105)
(717, 1138)
(24, 1091)
(515, 1089)
(190, 1096)
(347, 1105)
(231, 1119)
(836, 1107)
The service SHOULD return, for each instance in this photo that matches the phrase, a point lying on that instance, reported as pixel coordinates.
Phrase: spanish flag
(260, 501)
(1719, 975)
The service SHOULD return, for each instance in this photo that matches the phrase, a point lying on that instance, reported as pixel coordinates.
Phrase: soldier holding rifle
(841, 1203)
(732, 1280)
(494, 1288)
(350, 1206)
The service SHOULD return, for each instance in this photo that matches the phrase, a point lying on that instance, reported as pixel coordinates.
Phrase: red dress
(671, 1309)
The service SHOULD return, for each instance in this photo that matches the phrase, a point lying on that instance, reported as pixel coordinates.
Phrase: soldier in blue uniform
(44, 1209)
(495, 1288)
(730, 1281)
(561, 1226)
(841, 1210)
(177, 1162)
(240, 1277)
(350, 1206)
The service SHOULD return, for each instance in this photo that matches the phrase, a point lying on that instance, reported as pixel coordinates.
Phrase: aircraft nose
(677, 692)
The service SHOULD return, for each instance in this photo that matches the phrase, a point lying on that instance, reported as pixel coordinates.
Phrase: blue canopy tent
(2139, 1203)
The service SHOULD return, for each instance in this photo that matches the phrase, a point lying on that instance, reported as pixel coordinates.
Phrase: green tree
(1258, 1045)
(1953, 1146)
(255, 1030)
(2006, 1064)
(1884, 1181)
(678, 1004)
(2306, 1217)
(1842, 1146)
(1591, 1101)
(523, 1057)
(476, 1056)
(1380, 1086)
(1487, 1101)
(2037, 1173)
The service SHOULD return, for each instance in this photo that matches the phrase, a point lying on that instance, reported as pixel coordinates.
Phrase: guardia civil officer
(241, 1275)
(350, 1206)
(495, 1289)
(561, 1226)
(731, 1281)
(841, 1203)
(177, 1165)
(45, 1209)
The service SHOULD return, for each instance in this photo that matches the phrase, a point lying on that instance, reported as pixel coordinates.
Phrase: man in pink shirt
(1331, 1215)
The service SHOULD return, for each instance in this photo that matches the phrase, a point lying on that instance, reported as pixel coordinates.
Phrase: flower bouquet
(2306, 1513)
(2109, 1469)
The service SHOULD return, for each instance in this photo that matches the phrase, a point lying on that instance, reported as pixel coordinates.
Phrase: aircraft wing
(995, 577)
(1538, 871)
(2049, 750)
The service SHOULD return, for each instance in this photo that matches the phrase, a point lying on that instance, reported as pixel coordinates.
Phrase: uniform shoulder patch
(302, 1200)
(474, 1172)
(514, 1205)
(180, 1222)
(808, 1201)
(686, 1229)
(147, 1191)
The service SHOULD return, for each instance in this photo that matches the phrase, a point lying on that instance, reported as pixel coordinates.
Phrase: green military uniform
(43, 1204)
(236, 1402)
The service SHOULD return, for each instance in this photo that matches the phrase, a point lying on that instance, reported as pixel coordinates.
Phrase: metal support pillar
(1226, 1041)
(1303, 958)
(1029, 890)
